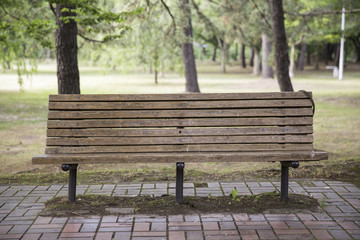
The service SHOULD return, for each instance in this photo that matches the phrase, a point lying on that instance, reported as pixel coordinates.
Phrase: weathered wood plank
(175, 97)
(180, 157)
(113, 141)
(113, 132)
(180, 104)
(267, 112)
(200, 122)
(181, 148)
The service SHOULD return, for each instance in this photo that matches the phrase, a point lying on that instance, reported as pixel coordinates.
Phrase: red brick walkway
(339, 218)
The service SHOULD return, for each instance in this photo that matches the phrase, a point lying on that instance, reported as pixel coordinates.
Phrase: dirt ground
(99, 205)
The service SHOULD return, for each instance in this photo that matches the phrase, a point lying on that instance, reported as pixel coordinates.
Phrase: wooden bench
(180, 128)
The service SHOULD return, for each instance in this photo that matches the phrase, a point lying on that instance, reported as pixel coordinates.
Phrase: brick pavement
(338, 219)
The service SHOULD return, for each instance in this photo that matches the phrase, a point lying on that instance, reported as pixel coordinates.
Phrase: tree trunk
(236, 52)
(301, 60)
(66, 52)
(156, 76)
(267, 71)
(242, 56)
(224, 55)
(188, 51)
(317, 59)
(292, 60)
(214, 54)
(256, 68)
(337, 55)
(251, 61)
(281, 52)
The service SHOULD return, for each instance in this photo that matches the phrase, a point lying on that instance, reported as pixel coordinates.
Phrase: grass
(23, 122)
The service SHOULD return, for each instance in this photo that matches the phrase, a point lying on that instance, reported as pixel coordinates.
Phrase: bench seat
(100, 158)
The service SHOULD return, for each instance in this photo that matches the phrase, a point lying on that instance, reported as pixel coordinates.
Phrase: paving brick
(227, 225)
(216, 217)
(266, 234)
(141, 227)
(339, 234)
(321, 234)
(248, 234)
(31, 236)
(109, 219)
(184, 226)
(242, 217)
(89, 227)
(122, 235)
(149, 234)
(210, 226)
(176, 218)
(72, 227)
(295, 224)
(77, 235)
(281, 217)
(104, 236)
(19, 229)
(278, 225)
(178, 235)
(49, 236)
(192, 218)
(158, 226)
(256, 217)
(194, 235)
(253, 225)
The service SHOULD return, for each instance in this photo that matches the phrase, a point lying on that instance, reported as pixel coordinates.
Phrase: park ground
(23, 124)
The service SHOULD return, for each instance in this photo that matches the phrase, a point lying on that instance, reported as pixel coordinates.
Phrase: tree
(281, 52)
(188, 50)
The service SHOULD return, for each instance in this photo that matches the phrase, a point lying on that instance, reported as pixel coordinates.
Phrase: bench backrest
(144, 123)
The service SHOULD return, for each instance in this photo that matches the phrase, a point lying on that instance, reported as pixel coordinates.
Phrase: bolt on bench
(180, 128)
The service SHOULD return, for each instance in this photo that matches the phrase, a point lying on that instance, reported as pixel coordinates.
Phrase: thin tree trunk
(188, 51)
(301, 60)
(156, 76)
(337, 55)
(281, 52)
(66, 52)
(224, 57)
(214, 54)
(292, 60)
(256, 68)
(251, 61)
(236, 52)
(267, 71)
(242, 56)
(317, 59)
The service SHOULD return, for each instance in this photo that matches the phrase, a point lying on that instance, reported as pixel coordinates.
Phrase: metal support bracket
(179, 181)
(284, 189)
(72, 168)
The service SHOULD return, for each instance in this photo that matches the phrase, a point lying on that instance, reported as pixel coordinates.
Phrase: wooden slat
(181, 148)
(172, 97)
(179, 104)
(112, 141)
(112, 132)
(180, 157)
(267, 112)
(200, 122)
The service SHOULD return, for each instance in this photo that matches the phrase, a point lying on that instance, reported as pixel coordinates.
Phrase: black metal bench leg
(72, 168)
(179, 181)
(285, 179)
(284, 182)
